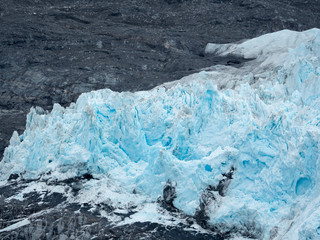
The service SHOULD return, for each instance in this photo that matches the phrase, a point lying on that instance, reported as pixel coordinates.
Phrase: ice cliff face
(239, 147)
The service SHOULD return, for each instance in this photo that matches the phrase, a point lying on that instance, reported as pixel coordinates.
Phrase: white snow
(39, 187)
(150, 213)
(262, 119)
(16, 225)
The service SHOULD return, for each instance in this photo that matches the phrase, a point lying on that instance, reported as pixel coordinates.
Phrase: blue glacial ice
(261, 119)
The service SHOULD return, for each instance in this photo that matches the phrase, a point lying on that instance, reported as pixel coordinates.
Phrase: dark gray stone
(169, 192)
(52, 217)
(13, 176)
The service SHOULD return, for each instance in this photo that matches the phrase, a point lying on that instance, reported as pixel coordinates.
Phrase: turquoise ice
(262, 119)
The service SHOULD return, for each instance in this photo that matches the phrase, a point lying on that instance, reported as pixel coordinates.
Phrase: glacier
(259, 123)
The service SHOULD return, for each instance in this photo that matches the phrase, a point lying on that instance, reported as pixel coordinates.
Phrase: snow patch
(16, 225)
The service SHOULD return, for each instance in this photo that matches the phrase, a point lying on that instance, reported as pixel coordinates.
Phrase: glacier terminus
(233, 152)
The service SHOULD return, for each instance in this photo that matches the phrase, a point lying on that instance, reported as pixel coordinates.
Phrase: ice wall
(262, 120)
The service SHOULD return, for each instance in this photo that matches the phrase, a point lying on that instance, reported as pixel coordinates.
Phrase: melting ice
(261, 119)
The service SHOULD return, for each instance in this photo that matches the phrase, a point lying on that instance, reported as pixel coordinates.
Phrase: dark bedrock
(52, 51)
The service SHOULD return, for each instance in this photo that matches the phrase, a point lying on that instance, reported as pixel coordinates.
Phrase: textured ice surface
(261, 119)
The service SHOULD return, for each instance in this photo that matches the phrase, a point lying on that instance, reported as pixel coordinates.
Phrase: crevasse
(261, 119)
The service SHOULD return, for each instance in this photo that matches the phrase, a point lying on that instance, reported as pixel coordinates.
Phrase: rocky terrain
(52, 51)
(51, 217)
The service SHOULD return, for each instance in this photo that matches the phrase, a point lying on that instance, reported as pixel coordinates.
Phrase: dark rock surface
(169, 194)
(52, 51)
(50, 216)
(54, 215)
